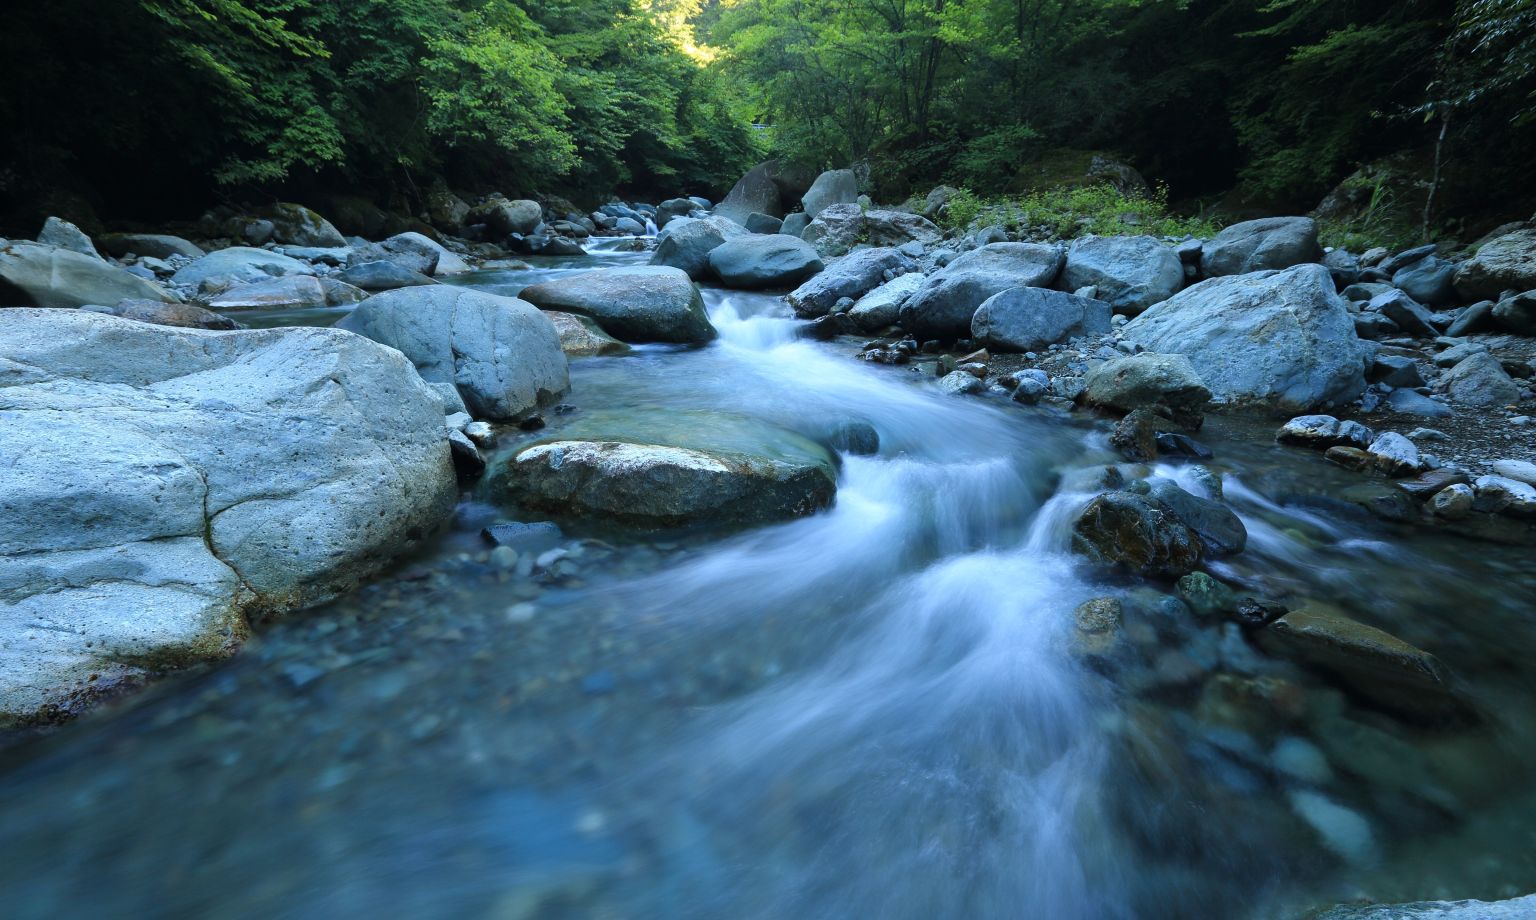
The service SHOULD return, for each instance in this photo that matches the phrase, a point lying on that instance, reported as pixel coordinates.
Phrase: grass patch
(1067, 213)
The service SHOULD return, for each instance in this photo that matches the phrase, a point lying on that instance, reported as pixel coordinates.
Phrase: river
(876, 711)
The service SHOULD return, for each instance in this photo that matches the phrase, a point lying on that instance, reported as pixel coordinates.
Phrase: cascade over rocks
(839, 228)
(1261, 245)
(1131, 273)
(1278, 338)
(231, 475)
(853, 275)
(640, 304)
(502, 354)
(1029, 319)
(763, 260)
(945, 305)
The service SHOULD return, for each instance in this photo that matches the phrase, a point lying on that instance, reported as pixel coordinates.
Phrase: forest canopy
(144, 102)
(224, 95)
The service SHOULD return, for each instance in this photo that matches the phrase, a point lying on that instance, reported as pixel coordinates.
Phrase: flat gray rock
(36, 275)
(238, 264)
(642, 304)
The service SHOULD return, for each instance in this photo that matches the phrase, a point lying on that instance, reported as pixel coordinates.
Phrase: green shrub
(1067, 213)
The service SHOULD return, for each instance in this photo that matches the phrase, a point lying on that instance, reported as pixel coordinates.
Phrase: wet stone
(1371, 661)
(1098, 625)
(1454, 502)
(1206, 596)
(1351, 458)
(525, 538)
(1131, 531)
(1424, 485)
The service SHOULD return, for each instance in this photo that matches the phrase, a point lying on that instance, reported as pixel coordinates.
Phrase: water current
(875, 711)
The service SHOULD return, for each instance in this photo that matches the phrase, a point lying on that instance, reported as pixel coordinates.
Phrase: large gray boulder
(853, 275)
(767, 188)
(36, 275)
(880, 308)
(1261, 245)
(715, 469)
(1030, 319)
(673, 208)
(1504, 263)
(229, 476)
(764, 260)
(1430, 280)
(947, 302)
(1282, 339)
(444, 260)
(840, 228)
(835, 186)
(502, 354)
(1480, 380)
(762, 223)
(642, 304)
(297, 225)
(505, 218)
(238, 264)
(686, 243)
(1131, 273)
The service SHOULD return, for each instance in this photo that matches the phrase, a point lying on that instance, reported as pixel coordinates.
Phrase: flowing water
(877, 711)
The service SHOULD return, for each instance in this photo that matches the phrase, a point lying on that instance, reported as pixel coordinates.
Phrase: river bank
(895, 705)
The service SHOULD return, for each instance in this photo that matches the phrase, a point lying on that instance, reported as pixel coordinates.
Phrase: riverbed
(880, 710)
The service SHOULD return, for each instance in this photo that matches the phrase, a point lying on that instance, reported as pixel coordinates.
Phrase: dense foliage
(1284, 98)
(140, 99)
(1413, 111)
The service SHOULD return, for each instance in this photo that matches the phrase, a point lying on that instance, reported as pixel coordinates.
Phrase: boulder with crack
(229, 476)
